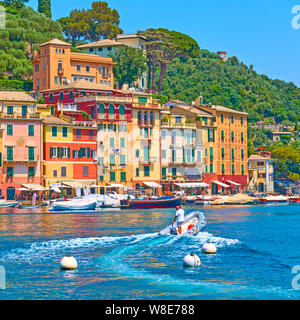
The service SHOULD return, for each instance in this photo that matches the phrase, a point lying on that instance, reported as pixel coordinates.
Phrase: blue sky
(258, 32)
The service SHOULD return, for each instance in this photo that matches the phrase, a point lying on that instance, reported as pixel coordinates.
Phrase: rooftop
(16, 96)
(57, 42)
(257, 157)
(81, 84)
(130, 36)
(223, 109)
(54, 120)
(101, 43)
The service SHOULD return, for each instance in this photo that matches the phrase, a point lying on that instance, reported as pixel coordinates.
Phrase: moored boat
(8, 203)
(193, 223)
(160, 202)
(274, 199)
(74, 204)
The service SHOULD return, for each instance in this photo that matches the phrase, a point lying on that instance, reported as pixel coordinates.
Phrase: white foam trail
(218, 241)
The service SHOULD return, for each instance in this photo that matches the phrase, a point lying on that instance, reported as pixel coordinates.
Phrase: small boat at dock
(193, 223)
(8, 203)
(74, 205)
(160, 202)
(274, 199)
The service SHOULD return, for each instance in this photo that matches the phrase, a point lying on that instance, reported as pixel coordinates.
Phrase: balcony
(88, 124)
(146, 105)
(20, 160)
(148, 160)
(67, 107)
(60, 71)
(101, 99)
(16, 115)
(174, 125)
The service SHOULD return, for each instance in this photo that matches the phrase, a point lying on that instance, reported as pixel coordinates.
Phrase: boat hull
(193, 223)
(71, 206)
(152, 204)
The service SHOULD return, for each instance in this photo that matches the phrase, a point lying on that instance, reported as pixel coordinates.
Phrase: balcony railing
(100, 99)
(149, 160)
(178, 125)
(68, 107)
(17, 115)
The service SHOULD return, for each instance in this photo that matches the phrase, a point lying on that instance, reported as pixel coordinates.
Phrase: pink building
(21, 143)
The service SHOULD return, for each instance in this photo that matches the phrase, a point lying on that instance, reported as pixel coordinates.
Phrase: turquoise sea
(121, 256)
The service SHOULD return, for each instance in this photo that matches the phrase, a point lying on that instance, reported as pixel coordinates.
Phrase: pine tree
(44, 7)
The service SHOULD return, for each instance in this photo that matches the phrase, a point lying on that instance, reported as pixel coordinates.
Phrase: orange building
(225, 149)
(57, 65)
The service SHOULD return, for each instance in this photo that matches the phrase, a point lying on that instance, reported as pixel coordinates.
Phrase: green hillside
(232, 84)
(25, 29)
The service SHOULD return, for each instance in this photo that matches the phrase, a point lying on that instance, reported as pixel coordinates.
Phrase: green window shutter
(65, 132)
(111, 109)
(31, 153)
(243, 169)
(9, 172)
(54, 131)
(211, 153)
(223, 152)
(58, 152)
(69, 153)
(222, 118)
(112, 159)
(51, 152)
(223, 168)
(123, 176)
(233, 169)
(174, 172)
(121, 109)
(101, 108)
(163, 172)
(101, 178)
(242, 136)
(232, 154)
(242, 120)
(73, 153)
(0, 159)
(232, 136)
(88, 152)
(9, 129)
(122, 142)
(122, 159)
(222, 135)
(213, 135)
(137, 172)
(112, 176)
(31, 172)
(242, 153)
(10, 153)
(211, 167)
(147, 171)
(30, 130)
(112, 142)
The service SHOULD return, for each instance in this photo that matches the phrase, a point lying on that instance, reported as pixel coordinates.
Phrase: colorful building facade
(22, 147)
(56, 65)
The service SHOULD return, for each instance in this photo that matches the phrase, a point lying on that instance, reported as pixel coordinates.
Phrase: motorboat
(159, 202)
(193, 223)
(8, 203)
(74, 204)
(274, 199)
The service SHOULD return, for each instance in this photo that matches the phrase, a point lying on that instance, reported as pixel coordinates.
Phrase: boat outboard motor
(173, 231)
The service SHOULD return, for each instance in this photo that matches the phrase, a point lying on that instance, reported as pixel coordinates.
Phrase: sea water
(121, 255)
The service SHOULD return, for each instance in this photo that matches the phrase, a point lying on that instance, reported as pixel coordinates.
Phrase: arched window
(101, 108)
(111, 109)
(59, 66)
(121, 109)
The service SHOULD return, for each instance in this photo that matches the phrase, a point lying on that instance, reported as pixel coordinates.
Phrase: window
(78, 134)
(52, 111)
(54, 173)
(142, 99)
(232, 136)
(211, 168)
(87, 68)
(24, 111)
(211, 153)
(59, 66)
(10, 153)
(54, 131)
(111, 109)
(9, 129)
(174, 172)
(232, 168)
(30, 130)
(61, 96)
(91, 50)
(31, 153)
(85, 171)
(100, 49)
(232, 119)
(137, 172)
(242, 137)
(78, 68)
(112, 159)
(222, 135)
(232, 154)
(222, 118)
(122, 160)
(152, 117)
(56, 80)
(10, 172)
(223, 152)
(36, 67)
(147, 171)
(164, 172)
(223, 168)
(242, 153)
(163, 154)
(51, 97)
(63, 171)
(242, 120)
(111, 142)
(122, 142)
(31, 172)
(65, 132)
(242, 169)
(121, 109)
(109, 48)
(123, 176)
(91, 134)
(112, 176)
(71, 95)
(10, 110)
(137, 153)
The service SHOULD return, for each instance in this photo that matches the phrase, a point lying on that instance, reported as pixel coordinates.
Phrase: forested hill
(232, 84)
(25, 30)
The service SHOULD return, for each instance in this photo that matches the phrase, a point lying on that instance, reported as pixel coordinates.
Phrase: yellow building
(145, 143)
(225, 148)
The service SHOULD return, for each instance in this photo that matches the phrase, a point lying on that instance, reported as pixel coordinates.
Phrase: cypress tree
(44, 7)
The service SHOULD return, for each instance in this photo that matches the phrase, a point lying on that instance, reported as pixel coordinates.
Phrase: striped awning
(232, 182)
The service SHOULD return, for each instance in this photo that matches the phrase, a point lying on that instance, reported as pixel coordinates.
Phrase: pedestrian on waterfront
(179, 217)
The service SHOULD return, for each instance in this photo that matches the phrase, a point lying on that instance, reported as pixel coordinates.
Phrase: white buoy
(191, 260)
(209, 248)
(68, 263)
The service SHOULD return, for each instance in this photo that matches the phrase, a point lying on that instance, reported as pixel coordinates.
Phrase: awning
(192, 172)
(116, 185)
(234, 183)
(74, 184)
(56, 189)
(33, 187)
(152, 184)
(221, 184)
(192, 185)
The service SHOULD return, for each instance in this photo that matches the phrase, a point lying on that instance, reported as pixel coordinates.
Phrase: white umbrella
(22, 189)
